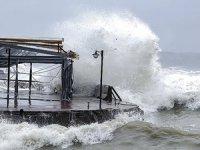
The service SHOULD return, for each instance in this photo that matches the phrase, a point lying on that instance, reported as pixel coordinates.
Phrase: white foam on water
(26, 136)
(184, 86)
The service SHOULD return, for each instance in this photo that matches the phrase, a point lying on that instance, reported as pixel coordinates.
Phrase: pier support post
(16, 87)
(66, 79)
(30, 83)
(63, 80)
(8, 80)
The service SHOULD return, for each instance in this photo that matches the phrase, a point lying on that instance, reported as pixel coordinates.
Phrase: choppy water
(174, 129)
(169, 130)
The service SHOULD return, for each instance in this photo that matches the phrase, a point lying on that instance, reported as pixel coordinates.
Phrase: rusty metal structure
(19, 50)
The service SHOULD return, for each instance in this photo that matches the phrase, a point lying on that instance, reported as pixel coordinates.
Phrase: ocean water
(163, 84)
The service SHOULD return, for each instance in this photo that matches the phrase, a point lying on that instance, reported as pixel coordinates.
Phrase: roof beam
(31, 39)
(44, 45)
(33, 49)
(31, 59)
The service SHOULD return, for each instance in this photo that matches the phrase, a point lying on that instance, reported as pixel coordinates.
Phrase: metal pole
(8, 83)
(30, 83)
(58, 48)
(101, 79)
(62, 78)
(16, 86)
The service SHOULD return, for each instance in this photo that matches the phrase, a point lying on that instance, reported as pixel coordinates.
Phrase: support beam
(16, 87)
(33, 39)
(30, 83)
(51, 59)
(8, 81)
(62, 82)
(43, 45)
(42, 51)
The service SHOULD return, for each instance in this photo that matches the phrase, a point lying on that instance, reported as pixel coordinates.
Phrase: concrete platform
(80, 110)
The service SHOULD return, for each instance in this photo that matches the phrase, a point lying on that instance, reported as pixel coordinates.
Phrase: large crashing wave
(131, 59)
(130, 62)
(130, 47)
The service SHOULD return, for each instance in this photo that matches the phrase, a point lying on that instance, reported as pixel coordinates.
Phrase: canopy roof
(29, 49)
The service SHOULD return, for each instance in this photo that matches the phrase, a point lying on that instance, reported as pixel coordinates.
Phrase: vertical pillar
(8, 80)
(30, 83)
(58, 48)
(71, 79)
(62, 78)
(16, 87)
(101, 79)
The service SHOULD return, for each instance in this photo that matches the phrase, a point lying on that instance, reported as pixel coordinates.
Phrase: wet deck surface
(48, 109)
(52, 103)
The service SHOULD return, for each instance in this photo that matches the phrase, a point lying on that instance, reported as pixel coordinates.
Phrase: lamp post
(96, 55)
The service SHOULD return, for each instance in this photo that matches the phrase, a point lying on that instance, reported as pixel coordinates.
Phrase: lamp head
(96, 54)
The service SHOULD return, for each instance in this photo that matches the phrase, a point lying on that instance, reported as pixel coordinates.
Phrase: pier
(65, 108)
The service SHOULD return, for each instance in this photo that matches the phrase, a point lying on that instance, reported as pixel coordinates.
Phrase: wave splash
(130, 47)
(29, 136)
(131, 61)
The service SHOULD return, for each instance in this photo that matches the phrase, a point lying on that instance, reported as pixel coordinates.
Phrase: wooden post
(16, 87)
(30, 83)
(8, 81)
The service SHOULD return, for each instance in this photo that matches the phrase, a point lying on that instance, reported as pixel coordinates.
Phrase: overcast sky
(175, 22)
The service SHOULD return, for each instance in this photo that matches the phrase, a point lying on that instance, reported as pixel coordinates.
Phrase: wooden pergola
(18, 50)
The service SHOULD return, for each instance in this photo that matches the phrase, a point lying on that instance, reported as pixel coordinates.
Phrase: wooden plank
(38, 44)
(33, 39)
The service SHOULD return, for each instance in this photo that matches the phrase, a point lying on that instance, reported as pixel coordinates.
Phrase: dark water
(184, 134)
(167, 130)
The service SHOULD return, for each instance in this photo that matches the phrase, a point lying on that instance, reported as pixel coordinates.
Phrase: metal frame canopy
(17, 50)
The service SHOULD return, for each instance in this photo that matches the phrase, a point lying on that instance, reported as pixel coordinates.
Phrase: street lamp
(96, 55)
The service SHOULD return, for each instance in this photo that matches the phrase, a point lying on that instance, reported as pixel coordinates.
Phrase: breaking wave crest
(29, 136)
(131, 61)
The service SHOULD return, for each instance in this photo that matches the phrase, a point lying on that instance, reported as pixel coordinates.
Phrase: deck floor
(46, 104)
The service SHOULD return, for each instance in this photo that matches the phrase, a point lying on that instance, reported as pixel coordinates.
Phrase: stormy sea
(166, 85)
